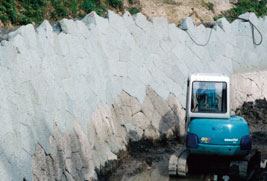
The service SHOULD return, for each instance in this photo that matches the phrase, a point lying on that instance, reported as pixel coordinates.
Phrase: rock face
(75, 156)
(247, 87)
(104, 82)
(70, 158)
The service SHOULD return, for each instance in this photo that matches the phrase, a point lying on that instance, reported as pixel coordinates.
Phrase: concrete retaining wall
(71, 76)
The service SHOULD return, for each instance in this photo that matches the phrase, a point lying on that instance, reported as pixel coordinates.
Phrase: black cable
(196, 41)
(245, 20)
(253, 33)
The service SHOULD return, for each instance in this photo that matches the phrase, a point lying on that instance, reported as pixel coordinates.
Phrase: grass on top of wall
(259, 7)
(21, 12)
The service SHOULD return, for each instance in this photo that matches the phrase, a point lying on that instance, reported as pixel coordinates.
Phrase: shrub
(100, 10)
(61, 11)
(73, 6)
(115, 3)
(93, 5)
(25, 20)
(134, 10)
(3, 18)
(53, 15)
(32, 10)
(8, 11)
(259, 7)
(20, 12)
(88, 5)
(81, 15)
(209, 5)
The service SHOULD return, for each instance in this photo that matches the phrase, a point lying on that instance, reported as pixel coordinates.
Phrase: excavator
(211, 130)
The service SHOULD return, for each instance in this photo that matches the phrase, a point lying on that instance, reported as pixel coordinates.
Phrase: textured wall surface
(74, 156)
(248, 86)
(71, 76)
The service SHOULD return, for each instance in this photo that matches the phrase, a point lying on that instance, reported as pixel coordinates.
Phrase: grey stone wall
(69, 74)
(248, 86)
(77, 156)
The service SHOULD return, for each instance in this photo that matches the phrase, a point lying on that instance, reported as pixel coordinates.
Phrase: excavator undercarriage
(236, 167)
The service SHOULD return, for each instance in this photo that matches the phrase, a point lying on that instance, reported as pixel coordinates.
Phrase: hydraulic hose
(245, 20)
(253, 33)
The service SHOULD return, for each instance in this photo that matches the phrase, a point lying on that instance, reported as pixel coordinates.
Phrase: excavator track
(173, 162)
(239, 168)
(178, 163)
(244, 168)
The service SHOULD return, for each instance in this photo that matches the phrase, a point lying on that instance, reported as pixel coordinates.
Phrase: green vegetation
(92, 5)
(134, 10)
(208, 5)
(25, 12)
(259, 7)
(21, 12)
(115, 3)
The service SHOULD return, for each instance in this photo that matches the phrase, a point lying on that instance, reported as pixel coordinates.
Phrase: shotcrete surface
(81, 88)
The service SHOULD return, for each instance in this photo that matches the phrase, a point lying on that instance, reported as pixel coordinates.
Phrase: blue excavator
(211, 130)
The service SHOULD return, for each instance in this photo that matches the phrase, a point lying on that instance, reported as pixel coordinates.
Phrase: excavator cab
(208, 97)
(210, 128)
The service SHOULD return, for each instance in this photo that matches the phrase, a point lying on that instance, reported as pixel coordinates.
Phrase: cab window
(209, 97)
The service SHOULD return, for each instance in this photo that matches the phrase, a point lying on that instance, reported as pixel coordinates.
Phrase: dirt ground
(177, 10)
(151, 164)
(149, 161)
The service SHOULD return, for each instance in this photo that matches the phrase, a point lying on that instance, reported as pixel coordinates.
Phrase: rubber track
(178, 163)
